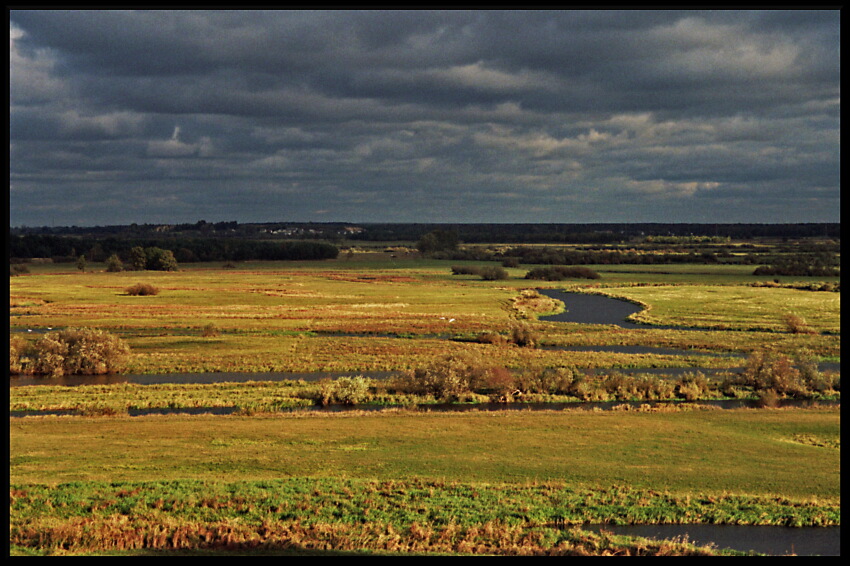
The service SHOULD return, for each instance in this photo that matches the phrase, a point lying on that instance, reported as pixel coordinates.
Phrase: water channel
(775, 541)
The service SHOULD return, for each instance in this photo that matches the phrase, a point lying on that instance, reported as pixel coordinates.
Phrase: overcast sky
(416, 116)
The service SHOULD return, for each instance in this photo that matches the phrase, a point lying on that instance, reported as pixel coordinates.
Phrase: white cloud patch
(31, 73)
(478, 76)
(174, 147)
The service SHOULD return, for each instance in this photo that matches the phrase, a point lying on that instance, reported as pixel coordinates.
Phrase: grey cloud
(372, 115)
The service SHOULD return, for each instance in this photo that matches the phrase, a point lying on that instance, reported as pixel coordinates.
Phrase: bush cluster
(465, 376)
(817, 263)
(520, 334)
(487, 272)
(448, 378)
(561, 272)
(772, 375)
(83, 351)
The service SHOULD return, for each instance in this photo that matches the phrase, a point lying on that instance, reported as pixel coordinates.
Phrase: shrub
(48, 356)
(561, 272)
(487, 272)
(493, 273)
(523, 335)
(770, 371)
(351, 390)
(552, 381)
(767, 398)
(346, 390)
(465, 270)
(72, 351)
(490, 337)
(18, 269)
(796, 324)
(499, 381)
(19, 349)
(448, 377)
(692, 387)
(210, 330)
(141, 289)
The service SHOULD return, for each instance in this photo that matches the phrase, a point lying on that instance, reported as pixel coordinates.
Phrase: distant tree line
(521, 233)
(597, 233)
(184, 250)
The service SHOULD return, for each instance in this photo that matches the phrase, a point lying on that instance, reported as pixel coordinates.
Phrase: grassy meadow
(272, 479)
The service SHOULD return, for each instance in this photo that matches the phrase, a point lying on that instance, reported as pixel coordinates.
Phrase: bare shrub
(351, 390)
(692, 386)
(587, 389)
(498, 381)
(767, 398)
(19, 349)
(523, 335)
(141, 290)
(49, 354)
(796, 324)
(550, 381)
(346, 390)
(448, 377)
(771, 371)
(210, 330)
(490, 337)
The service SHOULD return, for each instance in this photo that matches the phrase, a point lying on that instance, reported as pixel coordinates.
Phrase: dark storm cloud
(555, 116)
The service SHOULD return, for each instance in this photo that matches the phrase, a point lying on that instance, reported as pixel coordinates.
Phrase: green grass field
(310, 483)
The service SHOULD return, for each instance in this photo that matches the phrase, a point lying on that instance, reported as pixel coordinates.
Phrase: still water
(776, 541)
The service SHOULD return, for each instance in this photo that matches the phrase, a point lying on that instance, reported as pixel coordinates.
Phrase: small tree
(81, 263)
(114, 264)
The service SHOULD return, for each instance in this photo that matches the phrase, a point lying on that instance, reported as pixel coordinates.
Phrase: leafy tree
(159, 259)
(114, 264)
(138, 259)
(438, 241)
(81, 263)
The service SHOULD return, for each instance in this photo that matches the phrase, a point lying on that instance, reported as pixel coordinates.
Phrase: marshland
(110, 454)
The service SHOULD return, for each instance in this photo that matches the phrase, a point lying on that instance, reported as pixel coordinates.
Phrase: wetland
(269, 360)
